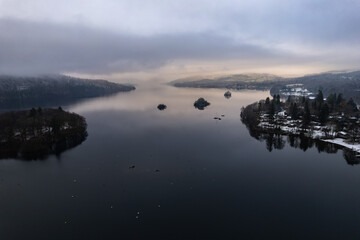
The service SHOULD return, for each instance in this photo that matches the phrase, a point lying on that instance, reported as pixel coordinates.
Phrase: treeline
(335, 108)
(39, 132)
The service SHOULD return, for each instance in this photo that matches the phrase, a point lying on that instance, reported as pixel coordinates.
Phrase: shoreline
(342, 143)
(315, 134)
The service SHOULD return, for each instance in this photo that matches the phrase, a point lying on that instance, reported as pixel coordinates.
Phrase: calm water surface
(194, 178)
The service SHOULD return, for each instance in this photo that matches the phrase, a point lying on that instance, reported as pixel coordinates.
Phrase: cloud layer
(97, 37)
(29, 47)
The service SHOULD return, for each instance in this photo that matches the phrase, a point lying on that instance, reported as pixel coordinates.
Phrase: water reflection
(178, 101)
(194, 176)
(37, 150)
(278, 141)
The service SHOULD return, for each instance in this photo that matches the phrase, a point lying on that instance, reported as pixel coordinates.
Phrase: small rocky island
(201, 104)
(227, 94)
(37, 133)
(161, 107)
(333, 120)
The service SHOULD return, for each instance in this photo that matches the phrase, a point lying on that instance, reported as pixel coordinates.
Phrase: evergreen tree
(307, 114)
(339, 99)
(354, 132)
(324, 113)
(294, 111)
(313, 105)
(320, 97)
(272, 110)
(267, 101)
(331, 100)
(352, 105)
(288, 99)
(278, 99)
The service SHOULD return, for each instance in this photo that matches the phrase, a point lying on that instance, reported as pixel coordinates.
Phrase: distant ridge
(24, 90)
(346, 83)
(343, 81)
(235, 81)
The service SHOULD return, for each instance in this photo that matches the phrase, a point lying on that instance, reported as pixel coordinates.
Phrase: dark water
(194, 178)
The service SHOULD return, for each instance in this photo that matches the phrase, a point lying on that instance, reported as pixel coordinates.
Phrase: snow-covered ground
(341, 142)
(295, 90)
(316, 131)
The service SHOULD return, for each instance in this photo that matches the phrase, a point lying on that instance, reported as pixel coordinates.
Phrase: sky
(160, 39)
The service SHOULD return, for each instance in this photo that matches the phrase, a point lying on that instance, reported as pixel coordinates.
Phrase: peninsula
(25, 92)
(37, 133)
(334, 119)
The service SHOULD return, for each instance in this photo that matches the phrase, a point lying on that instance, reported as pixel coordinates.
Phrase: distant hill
(237, 81)
(54, 88)
(347, 83)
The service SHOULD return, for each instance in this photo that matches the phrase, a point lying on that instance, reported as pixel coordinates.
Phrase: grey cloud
(33, 47)
(29, 47)
(302, 21)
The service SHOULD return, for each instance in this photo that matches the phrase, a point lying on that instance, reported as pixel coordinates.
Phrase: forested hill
(55, 87)
(346, 83)
(237, 81)
(329, 83)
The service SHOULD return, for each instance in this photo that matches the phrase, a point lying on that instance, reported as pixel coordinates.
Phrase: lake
(194, 177)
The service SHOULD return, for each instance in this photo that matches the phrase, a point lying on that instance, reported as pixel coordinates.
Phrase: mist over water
(194, 177)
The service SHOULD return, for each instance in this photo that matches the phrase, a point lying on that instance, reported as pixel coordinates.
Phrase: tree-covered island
(334, 119)
(36, 133)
